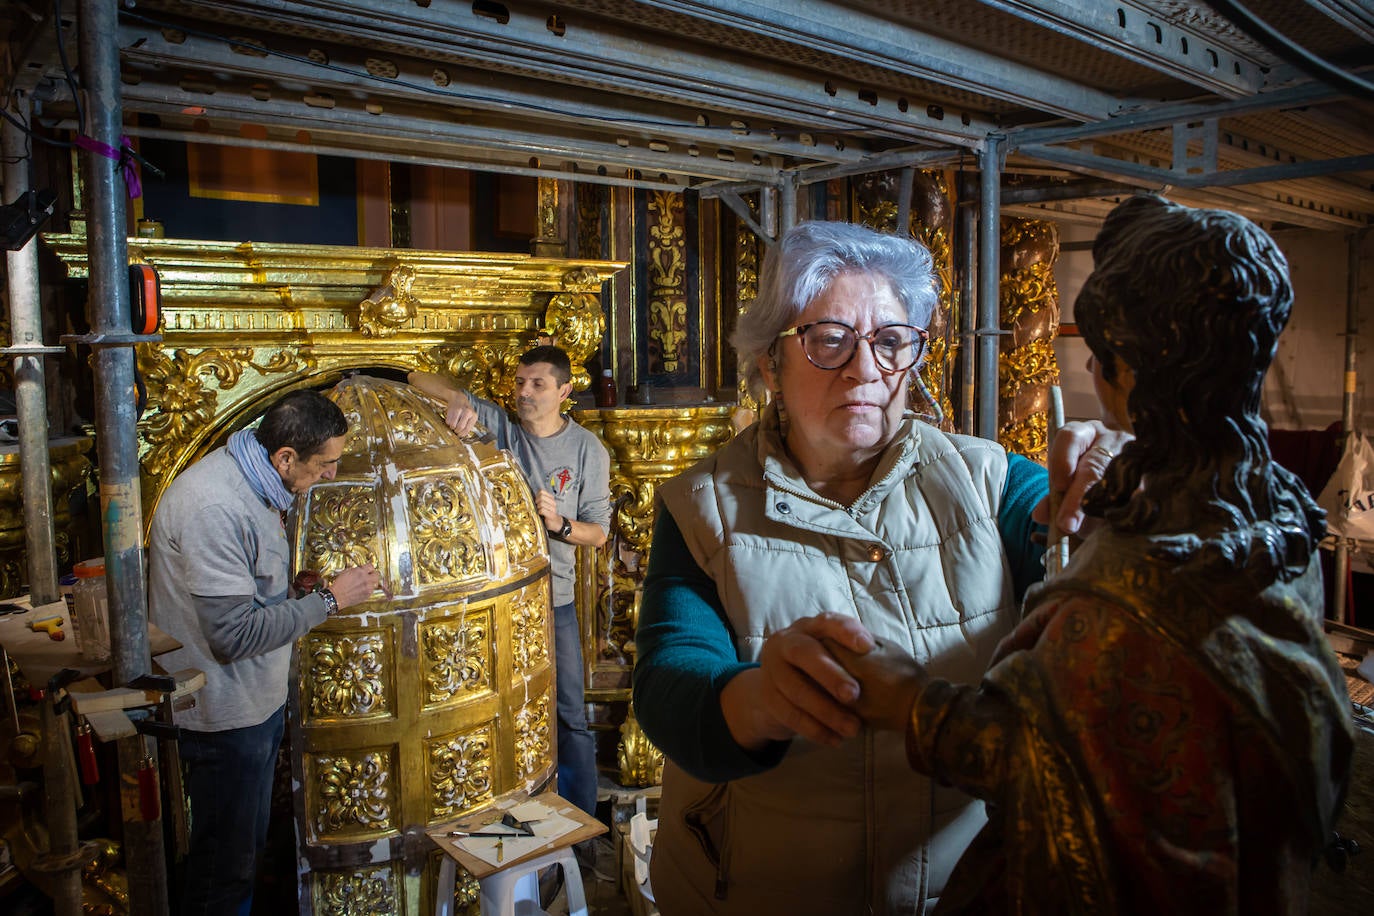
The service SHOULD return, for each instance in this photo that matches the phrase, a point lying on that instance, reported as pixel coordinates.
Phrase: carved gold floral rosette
(422, 706)
(648, 445)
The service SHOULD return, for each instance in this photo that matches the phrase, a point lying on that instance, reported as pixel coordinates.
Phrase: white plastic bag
(1348, 496)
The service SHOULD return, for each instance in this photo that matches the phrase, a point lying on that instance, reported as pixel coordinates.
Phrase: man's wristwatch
(566, 530)
(331, 604)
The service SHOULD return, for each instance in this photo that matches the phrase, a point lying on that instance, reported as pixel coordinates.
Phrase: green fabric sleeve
(1027, 484)
(685, 654)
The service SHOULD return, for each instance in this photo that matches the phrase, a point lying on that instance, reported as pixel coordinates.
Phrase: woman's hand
(889, 682)
(799, 688)
(1078, 458)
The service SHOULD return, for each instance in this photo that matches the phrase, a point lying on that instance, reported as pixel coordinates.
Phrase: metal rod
(787, 202)
(1341, 572)
(1072, 190)
(989, 267)
(121, 509)
(458, 162)
(768, 211)
(966, 228)
(59, 804)
(904, 201)
(30, 386)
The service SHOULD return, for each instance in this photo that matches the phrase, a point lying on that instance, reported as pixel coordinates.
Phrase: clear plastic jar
(92, 622)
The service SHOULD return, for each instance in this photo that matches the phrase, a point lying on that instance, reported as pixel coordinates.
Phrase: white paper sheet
(546, 824)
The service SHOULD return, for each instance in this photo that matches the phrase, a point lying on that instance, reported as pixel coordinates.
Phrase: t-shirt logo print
(560, 480)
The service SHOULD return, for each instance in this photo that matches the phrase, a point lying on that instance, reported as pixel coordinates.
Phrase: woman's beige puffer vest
(919, 560)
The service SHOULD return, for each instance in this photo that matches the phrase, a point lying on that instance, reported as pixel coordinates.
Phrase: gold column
(648, 445)
(1030, 311)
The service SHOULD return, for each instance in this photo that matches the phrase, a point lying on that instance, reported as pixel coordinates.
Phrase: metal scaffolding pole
(787, 203)
(1352, 329)
(966, 230)
(30, 388)
(121, 508)
(989, 272)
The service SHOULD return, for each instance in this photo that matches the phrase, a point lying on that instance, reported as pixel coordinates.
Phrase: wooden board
(588, 827)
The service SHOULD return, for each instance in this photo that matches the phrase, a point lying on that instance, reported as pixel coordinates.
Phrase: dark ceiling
(1274, 119)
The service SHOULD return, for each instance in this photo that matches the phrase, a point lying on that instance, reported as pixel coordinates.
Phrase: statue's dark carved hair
(1194, 301)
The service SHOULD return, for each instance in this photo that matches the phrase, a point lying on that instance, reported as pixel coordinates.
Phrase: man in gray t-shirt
(569, 471)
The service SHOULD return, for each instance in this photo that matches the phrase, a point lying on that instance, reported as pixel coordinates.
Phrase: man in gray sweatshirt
(219, 583)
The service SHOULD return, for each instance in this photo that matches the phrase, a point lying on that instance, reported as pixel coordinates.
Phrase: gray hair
(806, 261)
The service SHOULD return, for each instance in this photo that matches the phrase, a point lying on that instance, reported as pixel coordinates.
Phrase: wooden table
(40, 657)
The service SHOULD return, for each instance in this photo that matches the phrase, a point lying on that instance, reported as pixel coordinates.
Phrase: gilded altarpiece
(436, 695)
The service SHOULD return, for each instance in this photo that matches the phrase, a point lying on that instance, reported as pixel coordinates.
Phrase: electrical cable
(1301, 58)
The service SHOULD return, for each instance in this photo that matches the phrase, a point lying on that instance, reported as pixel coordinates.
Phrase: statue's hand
(889, 682)
(1078, 458)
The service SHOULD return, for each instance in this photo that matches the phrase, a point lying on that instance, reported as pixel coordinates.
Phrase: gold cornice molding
(243, 322)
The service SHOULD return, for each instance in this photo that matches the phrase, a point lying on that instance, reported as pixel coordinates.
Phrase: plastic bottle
(92, 610)
(67, 586)
(605, 389)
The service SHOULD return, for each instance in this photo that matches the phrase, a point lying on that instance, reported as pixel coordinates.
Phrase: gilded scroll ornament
(344, 527)
(408, 424)
(353, 793)
(358, 892)
(516, 510)
(1033, 365)
(529, 619)
(445, 542)
(641, 764)
(457, 657)
(391, 305)
(460, 772)
(667, 262)
(575, 321)
(181, 404)
(533, 746)
(1028, 436)
(347, 675)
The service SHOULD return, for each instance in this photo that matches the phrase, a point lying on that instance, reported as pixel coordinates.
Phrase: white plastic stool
(514, 891)
(642, 829)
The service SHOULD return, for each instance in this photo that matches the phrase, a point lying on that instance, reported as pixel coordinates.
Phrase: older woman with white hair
(837, 516)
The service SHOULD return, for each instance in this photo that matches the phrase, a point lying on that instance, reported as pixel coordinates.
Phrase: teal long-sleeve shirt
(686, 649)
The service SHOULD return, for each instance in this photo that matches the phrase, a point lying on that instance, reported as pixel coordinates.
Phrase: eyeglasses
(832, 344)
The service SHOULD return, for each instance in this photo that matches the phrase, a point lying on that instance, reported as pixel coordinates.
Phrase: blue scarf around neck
(249, 454)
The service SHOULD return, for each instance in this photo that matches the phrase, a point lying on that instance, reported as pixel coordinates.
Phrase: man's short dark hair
(302, 420)
(555, 357)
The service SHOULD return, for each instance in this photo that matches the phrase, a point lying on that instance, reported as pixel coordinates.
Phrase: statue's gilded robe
(1154, 738)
